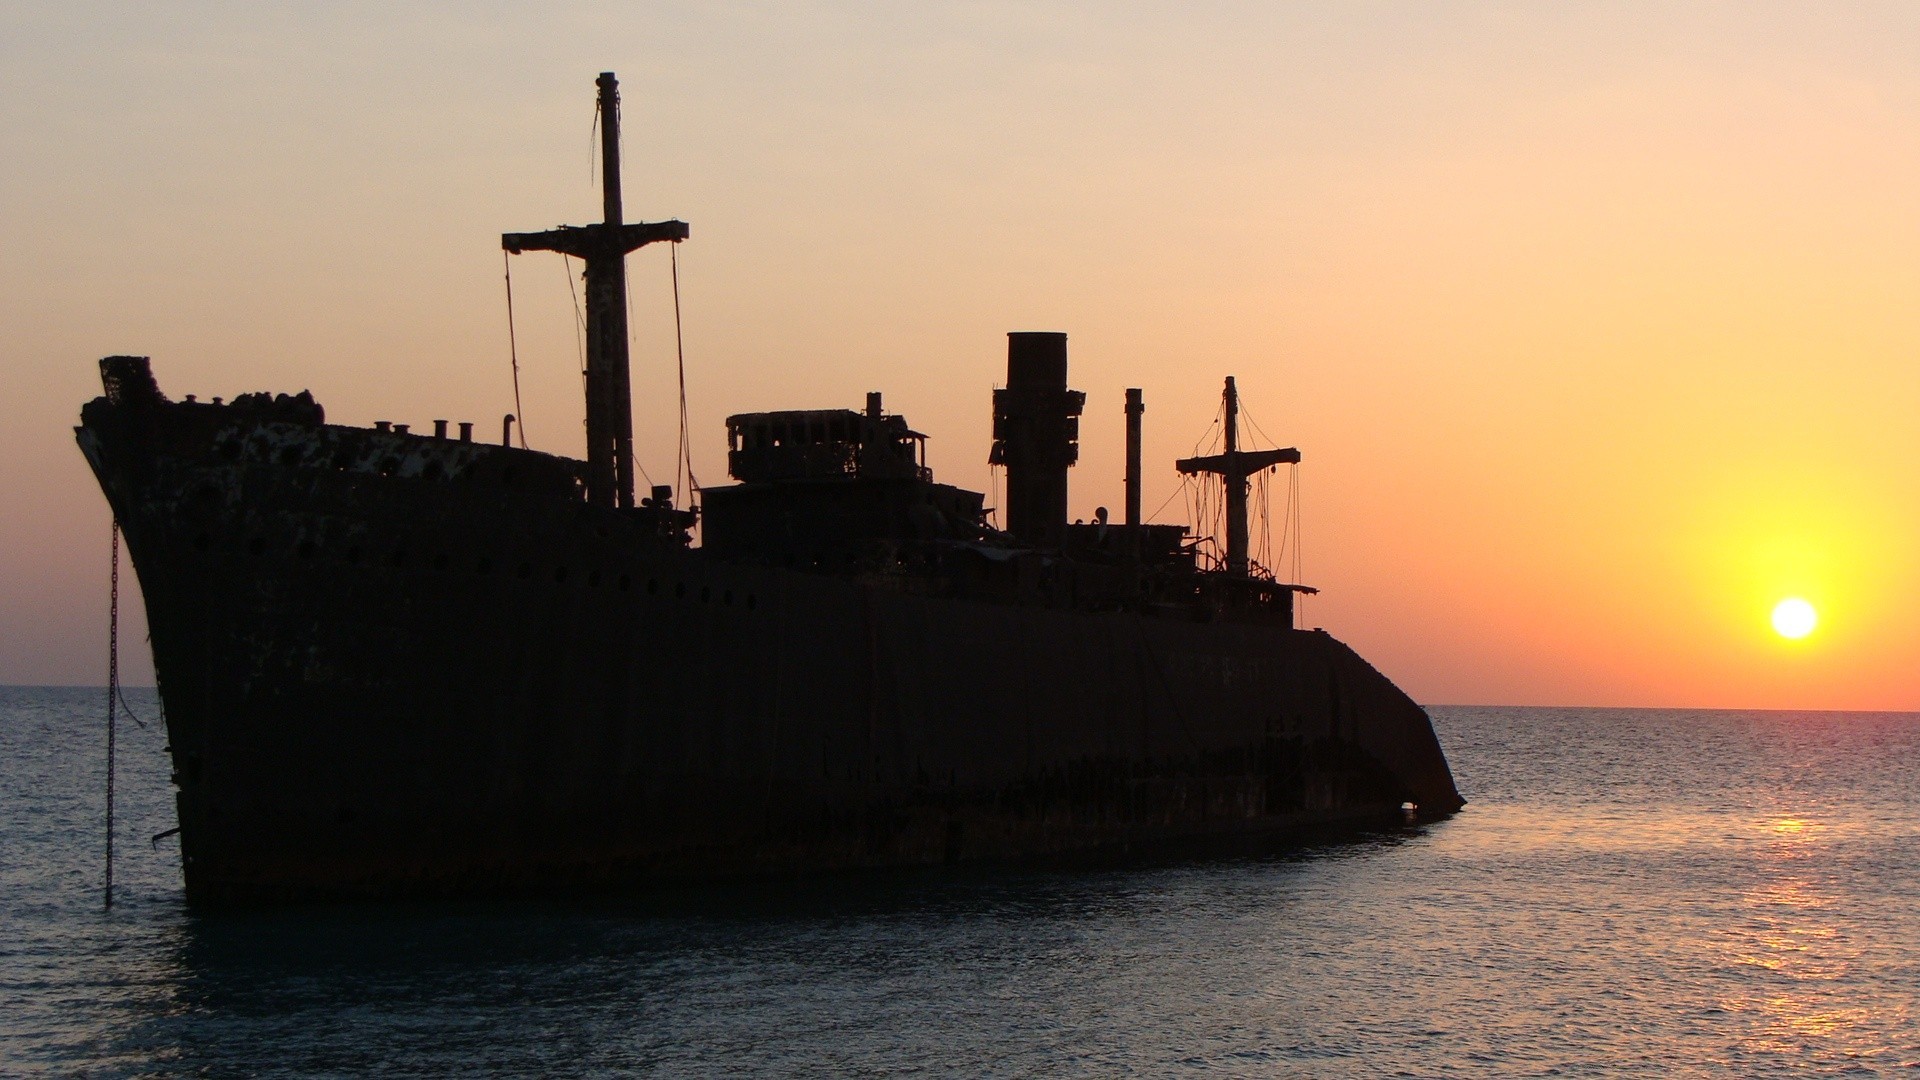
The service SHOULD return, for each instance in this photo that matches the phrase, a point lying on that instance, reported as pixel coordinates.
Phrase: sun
(1794, 618)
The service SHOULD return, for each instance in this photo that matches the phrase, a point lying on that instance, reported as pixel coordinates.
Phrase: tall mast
(608, 106)
(1135, 406)
(609, 295)
(1236, 479)
(1234, 467)
(603, 248)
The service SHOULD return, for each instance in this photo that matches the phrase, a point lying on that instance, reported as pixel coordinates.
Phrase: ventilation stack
(1036, 435)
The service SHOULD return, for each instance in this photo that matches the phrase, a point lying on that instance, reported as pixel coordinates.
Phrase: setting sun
(1794, 618)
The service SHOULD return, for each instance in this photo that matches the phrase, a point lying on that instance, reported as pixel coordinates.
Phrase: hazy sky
(1596, 323)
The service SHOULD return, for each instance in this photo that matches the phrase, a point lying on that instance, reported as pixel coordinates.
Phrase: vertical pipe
(1135, 406)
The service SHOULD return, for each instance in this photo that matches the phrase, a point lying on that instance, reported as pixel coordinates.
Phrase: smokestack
(1135, 406)
(1036, 435)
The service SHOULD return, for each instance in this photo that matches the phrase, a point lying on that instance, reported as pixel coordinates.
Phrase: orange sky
(1595, 323)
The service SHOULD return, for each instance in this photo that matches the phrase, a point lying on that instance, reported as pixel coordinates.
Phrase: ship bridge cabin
(831, 489)
(824, 443)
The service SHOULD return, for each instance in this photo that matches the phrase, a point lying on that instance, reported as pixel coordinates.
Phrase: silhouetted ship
(397, 662)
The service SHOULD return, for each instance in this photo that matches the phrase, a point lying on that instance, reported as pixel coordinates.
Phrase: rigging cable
(593, 143)
(627, 283)
(1177, 492)
(1293, 512)
(1290, 530)
(1201, 511)
(1248, 413)
(113, 697)
(1263, 554)
(579, 319)
(513, 350)
(680, 354)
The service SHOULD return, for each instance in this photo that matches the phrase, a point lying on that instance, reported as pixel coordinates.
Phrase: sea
(1628, 892)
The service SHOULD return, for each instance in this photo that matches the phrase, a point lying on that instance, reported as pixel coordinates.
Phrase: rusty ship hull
(397, 664)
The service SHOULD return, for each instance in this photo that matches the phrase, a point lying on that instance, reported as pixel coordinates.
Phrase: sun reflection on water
(1789, 933)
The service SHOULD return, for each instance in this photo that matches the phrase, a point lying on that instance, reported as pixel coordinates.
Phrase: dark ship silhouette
(394, 662)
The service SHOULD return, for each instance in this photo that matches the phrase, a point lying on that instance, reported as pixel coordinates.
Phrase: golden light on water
(1794, 618)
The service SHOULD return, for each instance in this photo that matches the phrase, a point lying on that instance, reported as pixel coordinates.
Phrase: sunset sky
(1598, 325)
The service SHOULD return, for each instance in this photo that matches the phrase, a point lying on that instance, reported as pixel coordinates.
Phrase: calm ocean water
(1628, 892)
